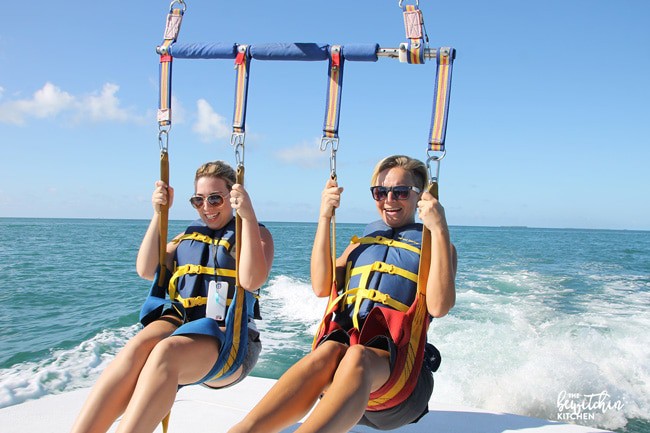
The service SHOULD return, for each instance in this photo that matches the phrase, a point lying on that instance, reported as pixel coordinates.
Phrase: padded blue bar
(290, 51)
(216, 50)
(360, 52)
(307, 51)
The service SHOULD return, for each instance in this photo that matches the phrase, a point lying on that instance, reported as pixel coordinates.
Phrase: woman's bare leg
(112, 392)
(168, 366)
(295, 392)
(361, 371)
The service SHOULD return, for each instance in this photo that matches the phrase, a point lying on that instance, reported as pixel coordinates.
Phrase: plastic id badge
(217, 297)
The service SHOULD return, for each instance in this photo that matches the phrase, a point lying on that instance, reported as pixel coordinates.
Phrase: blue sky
(549, 123)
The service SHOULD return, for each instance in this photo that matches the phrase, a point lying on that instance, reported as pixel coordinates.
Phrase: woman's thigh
(190, 356)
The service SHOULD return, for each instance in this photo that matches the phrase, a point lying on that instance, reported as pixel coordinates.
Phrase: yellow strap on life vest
(367, 270)
(369, 240)
(203, 238)
(239, 291)
(195, 270)
(362, 292)
(355, 295)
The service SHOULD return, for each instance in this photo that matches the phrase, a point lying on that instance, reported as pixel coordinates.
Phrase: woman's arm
(256, 256)
(441, 286)
(321, 255)
(148, 259)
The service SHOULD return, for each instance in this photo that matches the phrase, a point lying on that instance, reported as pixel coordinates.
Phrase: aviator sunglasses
(213, 200)
(399, 192)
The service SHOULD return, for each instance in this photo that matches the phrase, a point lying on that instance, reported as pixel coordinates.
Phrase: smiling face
(214, 216)
(396, 213)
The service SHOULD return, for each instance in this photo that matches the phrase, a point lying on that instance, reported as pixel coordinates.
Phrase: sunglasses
(213, 200)
(399, 192)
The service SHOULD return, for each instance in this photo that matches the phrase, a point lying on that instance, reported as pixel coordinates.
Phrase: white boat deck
(198, 409)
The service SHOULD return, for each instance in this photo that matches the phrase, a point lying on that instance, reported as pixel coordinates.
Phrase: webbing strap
(242, 65)
(356, 296)
(414, 49)
(172, 28)
(441, 93)
(425, 256)
(163, 220)
(194, 270)
(382, 267)
(334, 87)
(236, 319)
(366, 271)
(195, 236)
(367, 240)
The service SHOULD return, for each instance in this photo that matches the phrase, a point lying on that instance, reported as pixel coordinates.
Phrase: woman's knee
(361, 357)
(167, 350)
(368, 364)
(326, 356)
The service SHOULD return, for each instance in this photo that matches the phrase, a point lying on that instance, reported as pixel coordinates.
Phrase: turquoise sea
(550, 323)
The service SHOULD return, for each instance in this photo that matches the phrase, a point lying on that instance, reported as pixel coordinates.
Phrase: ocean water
(550, 323)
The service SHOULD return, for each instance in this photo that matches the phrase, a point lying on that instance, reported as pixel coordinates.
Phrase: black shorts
(409, 411)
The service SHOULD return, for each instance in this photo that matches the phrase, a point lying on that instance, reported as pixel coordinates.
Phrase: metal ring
(417, 3)
(180, 2)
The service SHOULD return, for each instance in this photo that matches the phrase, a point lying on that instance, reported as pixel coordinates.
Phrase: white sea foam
(517, 351)
(293, 300)
(63, 370)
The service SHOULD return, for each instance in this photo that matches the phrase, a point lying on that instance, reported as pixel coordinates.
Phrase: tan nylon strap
(163, 217)
(238, 226)
(425, 255)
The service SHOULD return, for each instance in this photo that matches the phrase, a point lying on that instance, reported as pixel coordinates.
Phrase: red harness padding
(406, 329)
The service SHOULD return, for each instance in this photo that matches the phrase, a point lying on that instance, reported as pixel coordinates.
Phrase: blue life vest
(381, 271)
(202, 255)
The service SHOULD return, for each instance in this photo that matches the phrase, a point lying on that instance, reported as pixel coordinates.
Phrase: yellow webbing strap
(165, 422)
(194, 270)
(385, 241)
(203, 238)
(239, 291)
(366, 271)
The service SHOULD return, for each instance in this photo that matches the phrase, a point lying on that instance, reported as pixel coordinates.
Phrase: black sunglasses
(213, 200)
(399, 192)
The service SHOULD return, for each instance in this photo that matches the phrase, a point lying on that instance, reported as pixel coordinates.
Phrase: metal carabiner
(180, 2)
(163, 138)
(334, 146)
(436, 160)
(237, 140)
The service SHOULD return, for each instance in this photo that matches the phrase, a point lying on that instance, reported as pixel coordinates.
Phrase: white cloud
(305, 154)
(46, 102)
(50, 101)
(103, 106)
(210, 125)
